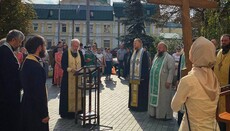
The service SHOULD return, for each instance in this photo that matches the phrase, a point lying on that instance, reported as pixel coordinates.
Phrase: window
(91, 41)
(148, 12)
(106, 28)
(147, 28)
(49, 43)
(91, 29)
(77, 28)
(35, 26)
(91, 14)
(106, 43)
(63, 27)
(49, 27)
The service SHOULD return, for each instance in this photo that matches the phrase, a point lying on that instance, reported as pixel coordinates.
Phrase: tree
(135, 21)
(217, 21)
(15, 15)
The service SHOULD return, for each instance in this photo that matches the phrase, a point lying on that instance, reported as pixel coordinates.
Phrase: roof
(170, 35)
(172, 25)
(118, 8)
(73, 12)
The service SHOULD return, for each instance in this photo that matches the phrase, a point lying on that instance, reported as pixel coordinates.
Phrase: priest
(72, 60)
(138, 85)
(9, 82)
(160, 84)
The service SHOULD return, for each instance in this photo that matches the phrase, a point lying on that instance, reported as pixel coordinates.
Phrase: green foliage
(135, 21)
(215, 22)
(15, 15)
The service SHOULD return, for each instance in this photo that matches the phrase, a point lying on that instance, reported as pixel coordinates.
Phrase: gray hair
(139, 40)
(163, 43)
(77, 40)
(14, 34)
(2, 41)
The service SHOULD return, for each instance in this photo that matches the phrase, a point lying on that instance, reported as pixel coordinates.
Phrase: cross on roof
(186, 23)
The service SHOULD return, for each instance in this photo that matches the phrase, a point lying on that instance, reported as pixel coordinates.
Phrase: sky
(56, 1)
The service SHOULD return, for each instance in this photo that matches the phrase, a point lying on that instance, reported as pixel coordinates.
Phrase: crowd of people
(152, 82)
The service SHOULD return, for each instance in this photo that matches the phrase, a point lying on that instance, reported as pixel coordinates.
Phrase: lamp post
(87, 22)
(118, 31)
(59, 18)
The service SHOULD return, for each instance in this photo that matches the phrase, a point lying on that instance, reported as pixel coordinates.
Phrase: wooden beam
(202, 4)
(166, 2)
(187, 32)
(192, 3)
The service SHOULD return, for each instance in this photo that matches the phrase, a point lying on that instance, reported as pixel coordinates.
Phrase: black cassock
(63, 106)
(34, 101)
(143, 87)
(9, 90)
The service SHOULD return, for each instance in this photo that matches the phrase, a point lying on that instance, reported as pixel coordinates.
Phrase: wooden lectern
(225, 116)
(89, 86)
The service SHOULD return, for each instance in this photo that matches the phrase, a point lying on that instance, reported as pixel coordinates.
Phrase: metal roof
(118, 8)
(73, 12)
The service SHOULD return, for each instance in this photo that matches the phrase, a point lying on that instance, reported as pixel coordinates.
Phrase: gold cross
(137, 62)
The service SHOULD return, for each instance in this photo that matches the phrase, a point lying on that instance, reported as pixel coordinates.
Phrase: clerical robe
(34, 101)
(222, 71)
(162, 71)
(68, 85)
(9, 89)
(139, 77)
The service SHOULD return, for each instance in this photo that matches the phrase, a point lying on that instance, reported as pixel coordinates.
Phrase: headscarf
(203, 56)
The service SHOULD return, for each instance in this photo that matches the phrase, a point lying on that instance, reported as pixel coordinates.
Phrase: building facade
(105, 26)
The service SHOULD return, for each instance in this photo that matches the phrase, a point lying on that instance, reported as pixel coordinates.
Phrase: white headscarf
(203, 56)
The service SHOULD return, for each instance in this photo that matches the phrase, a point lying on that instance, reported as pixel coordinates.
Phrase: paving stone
(114, 112)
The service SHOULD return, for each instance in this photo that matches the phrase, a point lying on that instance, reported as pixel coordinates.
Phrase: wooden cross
(186, 23)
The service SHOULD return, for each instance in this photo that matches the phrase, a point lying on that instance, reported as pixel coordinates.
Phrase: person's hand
(167, 85)
(73, 70)
(45, 120)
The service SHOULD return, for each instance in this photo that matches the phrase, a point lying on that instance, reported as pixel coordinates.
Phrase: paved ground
(113, 108)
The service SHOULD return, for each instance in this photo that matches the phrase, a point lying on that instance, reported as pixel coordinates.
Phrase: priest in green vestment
(160, 84)
(139, 77)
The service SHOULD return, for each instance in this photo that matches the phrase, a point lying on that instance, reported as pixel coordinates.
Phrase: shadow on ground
(148, 123)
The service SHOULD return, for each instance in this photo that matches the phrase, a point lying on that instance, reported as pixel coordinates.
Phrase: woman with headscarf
(199, 90)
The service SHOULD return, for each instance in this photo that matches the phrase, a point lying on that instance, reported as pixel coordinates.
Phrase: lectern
(89, 84)
(225, 116)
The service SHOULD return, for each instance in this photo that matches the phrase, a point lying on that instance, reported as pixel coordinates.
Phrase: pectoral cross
(136, 66)
(186, 23)
(137, 62)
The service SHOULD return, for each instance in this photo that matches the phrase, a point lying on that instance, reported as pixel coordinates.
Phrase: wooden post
(187, 33)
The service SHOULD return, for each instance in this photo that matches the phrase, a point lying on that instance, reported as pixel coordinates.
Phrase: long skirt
(108, 68)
